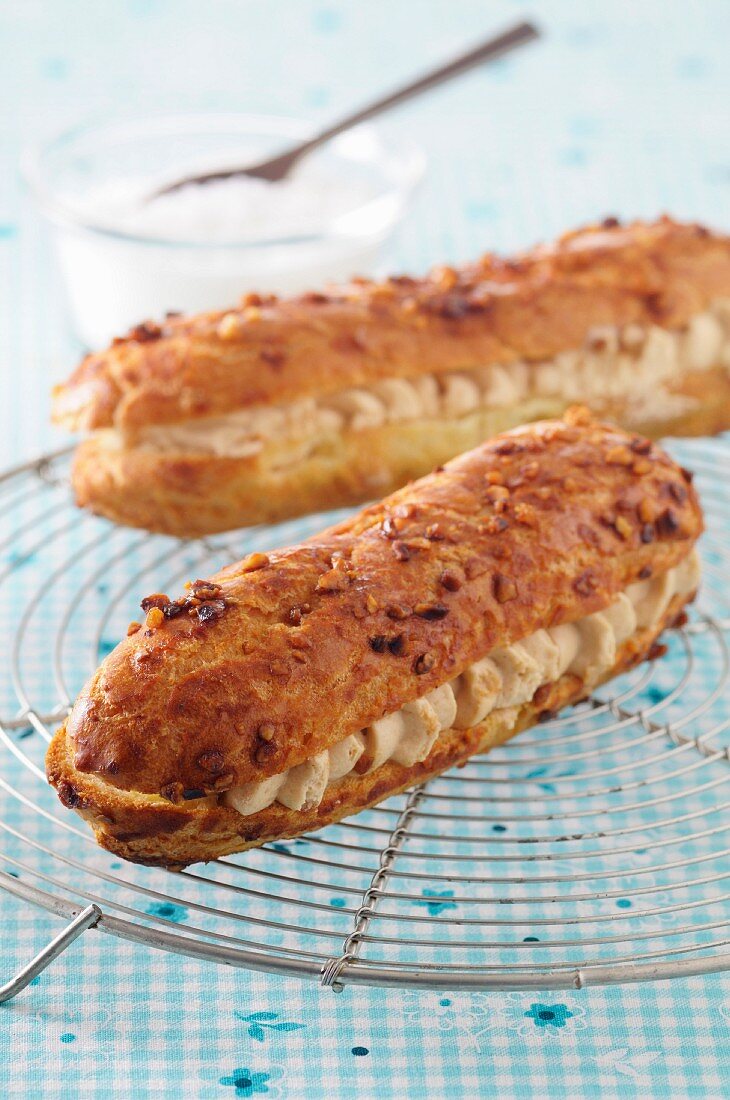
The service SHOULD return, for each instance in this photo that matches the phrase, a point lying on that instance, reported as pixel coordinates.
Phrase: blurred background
(620, 109)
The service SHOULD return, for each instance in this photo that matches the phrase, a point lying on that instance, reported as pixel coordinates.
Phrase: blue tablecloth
(622, 110)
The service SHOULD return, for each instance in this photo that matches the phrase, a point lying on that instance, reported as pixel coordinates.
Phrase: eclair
(302, 685)
(278, 408)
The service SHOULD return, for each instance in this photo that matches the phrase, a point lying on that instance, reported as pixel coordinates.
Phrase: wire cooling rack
(592, 849)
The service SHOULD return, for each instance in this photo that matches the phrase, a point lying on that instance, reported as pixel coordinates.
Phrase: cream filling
(614, 364)
(506, 679)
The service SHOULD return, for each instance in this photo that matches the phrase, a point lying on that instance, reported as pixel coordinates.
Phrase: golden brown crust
(194, 494)
(542, 525)
(148, 829)
(493, 311)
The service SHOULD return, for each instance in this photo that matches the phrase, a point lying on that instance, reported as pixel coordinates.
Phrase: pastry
(297, 687)
(279, 408)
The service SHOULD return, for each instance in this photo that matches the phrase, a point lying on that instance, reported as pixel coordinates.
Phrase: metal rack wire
(592, 849)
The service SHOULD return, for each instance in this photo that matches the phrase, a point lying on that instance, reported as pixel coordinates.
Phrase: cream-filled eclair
(297, 687)
(283, 407)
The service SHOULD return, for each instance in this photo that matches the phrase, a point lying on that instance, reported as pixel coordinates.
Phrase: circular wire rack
(591, 849)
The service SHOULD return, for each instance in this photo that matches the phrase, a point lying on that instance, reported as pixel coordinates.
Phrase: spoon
(278, 167)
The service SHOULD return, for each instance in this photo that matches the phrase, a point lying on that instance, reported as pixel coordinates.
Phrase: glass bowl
(116, 277)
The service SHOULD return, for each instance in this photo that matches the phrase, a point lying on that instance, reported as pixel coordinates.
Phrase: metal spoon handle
(278, 166)
(493, 48)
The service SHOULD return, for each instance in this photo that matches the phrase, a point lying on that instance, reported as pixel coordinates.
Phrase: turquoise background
(623, 109)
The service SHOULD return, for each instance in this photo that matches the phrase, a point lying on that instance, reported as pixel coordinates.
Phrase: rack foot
(87, 918)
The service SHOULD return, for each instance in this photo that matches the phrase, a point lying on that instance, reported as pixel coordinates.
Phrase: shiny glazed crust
(150, 830)
(272, 352)
(302, 647)
(494, 311)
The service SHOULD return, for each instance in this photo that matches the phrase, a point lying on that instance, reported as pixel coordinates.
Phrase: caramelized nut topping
(640, 446)
(646, 510)
(450, 581)
(371, 604)
(297, 613)
(266, 731)
(397, 645)
(494, 525)
(212, 760)
(623, 527)
(585, 584)
(645, 572)
(504, 589)
(145, 333)
(619, 456)
(253, 562)
(647, 532)
(157, 599)
(401, 551)
(378, 644)
(525, 514)
(155, 618)
(334, 581)
(398, 611)
(424, 663)
(432, 612)
(133, 627)
(667, 524)
(678, 493)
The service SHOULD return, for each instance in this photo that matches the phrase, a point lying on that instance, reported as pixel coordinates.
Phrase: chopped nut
(526, 515)
(401, 551)
(645, 572)
(157, 599)
(619, 456)
(647, 532)
(371, 604)
(212, 760)
(687, 474)
(494, 525)
(155, 618)
(646, 510)
(434, 533)
(678, 493)
(495, 477)
(640, 446)
(133, 627)
(641, 466)
(397, 645)
(450, 580)
(504, 589)
(398, 611)
(389, 528)
(253, 562)
(424, 663)
(297, 613)
(266, 731)
(418, 543)
(658, 649)
(623, 527)
(497, 492)
(378, 644)
(433, 611)
(586, 583)
(334, 581)
(667, 524)
(228, 326)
